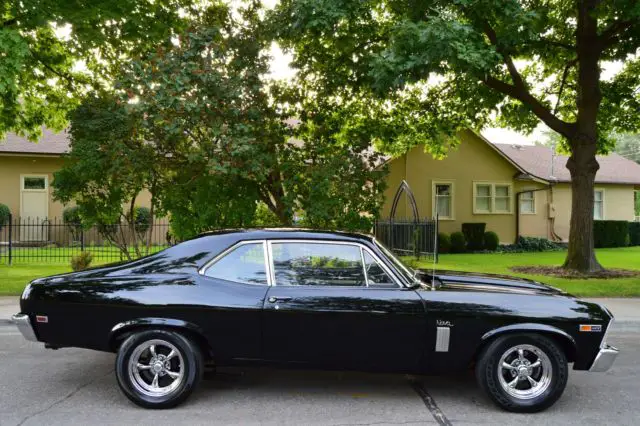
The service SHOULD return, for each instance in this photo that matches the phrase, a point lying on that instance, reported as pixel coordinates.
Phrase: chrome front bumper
(604, 360)
(24, 325)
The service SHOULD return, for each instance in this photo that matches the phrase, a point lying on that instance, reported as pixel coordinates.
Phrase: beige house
(26, 174)
(515, 190)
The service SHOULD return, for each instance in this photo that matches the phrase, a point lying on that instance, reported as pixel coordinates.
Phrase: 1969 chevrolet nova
(317, 300)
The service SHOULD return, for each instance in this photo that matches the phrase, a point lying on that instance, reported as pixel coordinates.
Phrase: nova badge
(443, 323)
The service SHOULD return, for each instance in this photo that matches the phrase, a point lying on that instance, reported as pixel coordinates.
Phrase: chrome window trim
(383, 249)
(202, 271)
(364, 268)
(389, 272)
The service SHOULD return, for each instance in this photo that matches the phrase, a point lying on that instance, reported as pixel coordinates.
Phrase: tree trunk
(583, 167)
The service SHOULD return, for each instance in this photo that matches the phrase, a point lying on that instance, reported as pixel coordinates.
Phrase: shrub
(634, 233)
(264, 218)
(458, 242)
(611, 233)
(532, 244)
(5, 213)
(444, 242)
(81, 261)
(73, 221)
(474, 234)
(141, 219)
(491, 241)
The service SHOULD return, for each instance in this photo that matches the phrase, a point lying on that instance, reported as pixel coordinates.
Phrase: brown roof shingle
(536, 160)
(51, 143)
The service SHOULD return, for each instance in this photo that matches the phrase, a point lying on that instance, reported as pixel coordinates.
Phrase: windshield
(403, 269)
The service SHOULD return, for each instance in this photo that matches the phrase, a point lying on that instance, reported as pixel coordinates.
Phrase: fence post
(435, 245)
(81, 238)
(10, 238)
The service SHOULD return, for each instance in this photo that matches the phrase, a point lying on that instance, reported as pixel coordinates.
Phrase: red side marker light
(42, 318)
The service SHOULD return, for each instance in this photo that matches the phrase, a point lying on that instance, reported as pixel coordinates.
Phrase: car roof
(289, 233)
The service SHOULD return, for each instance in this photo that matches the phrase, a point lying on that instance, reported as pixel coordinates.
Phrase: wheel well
(119, 337)
(565, 344)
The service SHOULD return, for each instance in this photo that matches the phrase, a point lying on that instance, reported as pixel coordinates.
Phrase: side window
(376, 276)
(245, 264)
(317, 264)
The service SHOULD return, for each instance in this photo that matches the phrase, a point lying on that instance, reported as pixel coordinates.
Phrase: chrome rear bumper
(24, 325)
(604, 360)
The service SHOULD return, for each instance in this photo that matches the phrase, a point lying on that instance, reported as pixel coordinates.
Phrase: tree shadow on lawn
(559, 272)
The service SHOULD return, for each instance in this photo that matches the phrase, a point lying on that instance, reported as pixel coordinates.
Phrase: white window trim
(493, 197)
(46, 183)
(433, 198)
(604, 204)
(533, 195)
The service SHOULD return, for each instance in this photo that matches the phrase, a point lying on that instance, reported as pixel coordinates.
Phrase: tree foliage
(472, 60)
(42, 40)
(196, 124)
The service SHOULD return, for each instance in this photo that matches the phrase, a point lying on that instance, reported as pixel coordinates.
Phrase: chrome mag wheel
(525, 371)
(156, 368)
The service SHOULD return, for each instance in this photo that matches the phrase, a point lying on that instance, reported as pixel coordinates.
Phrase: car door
(235, 284)
(334, 304)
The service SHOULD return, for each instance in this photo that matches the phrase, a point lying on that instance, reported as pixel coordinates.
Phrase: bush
(458, 242)
(491, 241)
(81, 261)
(634, 233)
(474, 234)
(141, 219)
(611, 233)
(532, 244)
(444, 242)
(5, 213)
(73, 221)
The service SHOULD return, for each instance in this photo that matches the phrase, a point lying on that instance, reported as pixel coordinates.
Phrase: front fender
(124, 328)
(568, 342)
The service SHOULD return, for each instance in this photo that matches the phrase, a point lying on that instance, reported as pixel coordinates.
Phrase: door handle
(274, 299)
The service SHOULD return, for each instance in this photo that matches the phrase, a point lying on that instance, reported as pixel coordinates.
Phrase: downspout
(546, 188)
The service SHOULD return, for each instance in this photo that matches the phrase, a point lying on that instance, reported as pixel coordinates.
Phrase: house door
(34, 207)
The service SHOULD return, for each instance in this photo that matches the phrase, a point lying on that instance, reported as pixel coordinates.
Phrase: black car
(314, 299)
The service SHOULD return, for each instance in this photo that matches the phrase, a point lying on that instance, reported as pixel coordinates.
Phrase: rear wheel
(158, 368)
(523, 372)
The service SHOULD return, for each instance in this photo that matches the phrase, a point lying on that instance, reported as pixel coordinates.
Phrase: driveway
(74, 386)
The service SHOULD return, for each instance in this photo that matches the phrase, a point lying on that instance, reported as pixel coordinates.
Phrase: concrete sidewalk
(624, 310)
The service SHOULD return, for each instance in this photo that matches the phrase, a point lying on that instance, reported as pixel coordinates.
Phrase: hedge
(610, 233)
(5, 213)
(444, 243)
(474, 234)
(634, 233)
(491, 241)
(458, 242)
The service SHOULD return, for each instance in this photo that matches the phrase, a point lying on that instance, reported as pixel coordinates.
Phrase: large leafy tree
(524, 61)
(41, 41)
(212, 140)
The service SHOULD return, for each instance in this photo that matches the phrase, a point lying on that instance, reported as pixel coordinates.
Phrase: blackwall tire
(158, 368)
(523, 373)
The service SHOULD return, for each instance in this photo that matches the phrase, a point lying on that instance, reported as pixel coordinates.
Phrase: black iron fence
(51, 240)
(409, 237)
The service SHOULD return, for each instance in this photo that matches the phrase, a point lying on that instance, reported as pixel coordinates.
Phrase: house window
(598, 204)
(493, 198)
(528, 202)
(443, 199)
(33, 182)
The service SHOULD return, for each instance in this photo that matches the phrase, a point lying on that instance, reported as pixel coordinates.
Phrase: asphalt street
(74, 386)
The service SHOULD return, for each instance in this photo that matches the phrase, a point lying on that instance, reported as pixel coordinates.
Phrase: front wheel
(158, 368)
(523, 372)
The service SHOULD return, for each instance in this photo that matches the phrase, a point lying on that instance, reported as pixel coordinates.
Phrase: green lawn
(499, 263)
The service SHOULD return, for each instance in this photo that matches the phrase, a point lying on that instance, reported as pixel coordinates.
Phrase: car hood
(458, 280)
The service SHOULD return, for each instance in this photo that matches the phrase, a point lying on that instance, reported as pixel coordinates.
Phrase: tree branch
(612, 33)
(69, 79)
(541, 111)
(565, 74)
